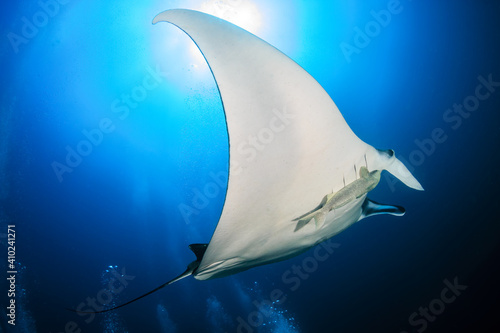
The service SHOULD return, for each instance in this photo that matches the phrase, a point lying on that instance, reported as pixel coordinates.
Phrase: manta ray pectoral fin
(198, 250)
(371, 208)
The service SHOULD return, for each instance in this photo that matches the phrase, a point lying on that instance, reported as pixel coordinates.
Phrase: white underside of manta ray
(310, 180)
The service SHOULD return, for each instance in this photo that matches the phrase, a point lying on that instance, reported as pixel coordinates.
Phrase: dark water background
(119, 209)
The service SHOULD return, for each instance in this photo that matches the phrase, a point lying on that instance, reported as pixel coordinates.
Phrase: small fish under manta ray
(271, 211)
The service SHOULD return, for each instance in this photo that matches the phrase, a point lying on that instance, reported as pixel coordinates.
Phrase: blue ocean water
(139, 104)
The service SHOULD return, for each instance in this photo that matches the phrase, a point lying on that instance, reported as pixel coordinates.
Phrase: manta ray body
(311, 157)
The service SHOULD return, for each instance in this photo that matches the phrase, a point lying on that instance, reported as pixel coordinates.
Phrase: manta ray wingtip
(160, 17)
(173, 14)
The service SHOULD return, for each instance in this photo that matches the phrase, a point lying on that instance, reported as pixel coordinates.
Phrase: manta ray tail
(198, 250)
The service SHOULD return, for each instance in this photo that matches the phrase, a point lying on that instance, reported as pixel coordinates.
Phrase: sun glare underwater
(114, 158)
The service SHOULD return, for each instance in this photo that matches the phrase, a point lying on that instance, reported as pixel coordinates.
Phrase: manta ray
(308, 175)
